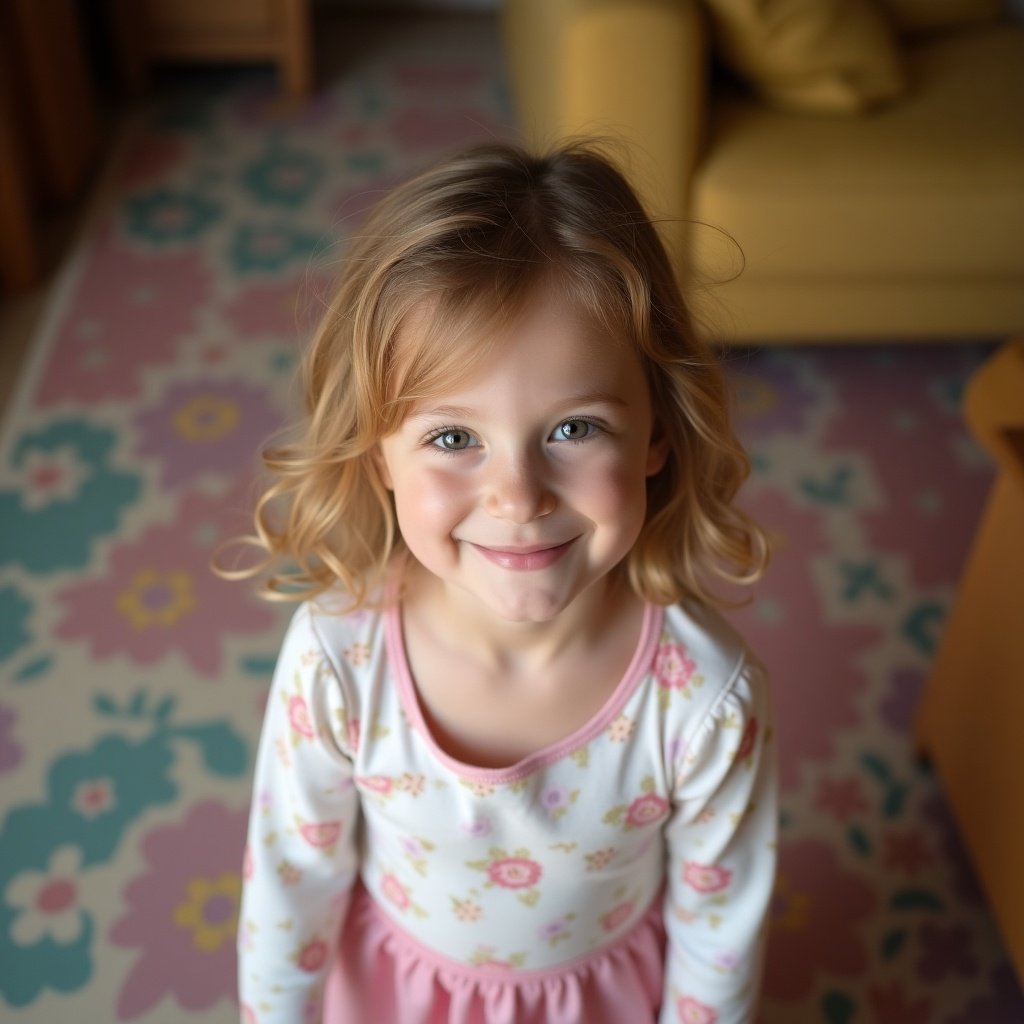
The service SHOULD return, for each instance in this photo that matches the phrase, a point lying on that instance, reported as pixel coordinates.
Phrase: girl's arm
(721, 859)
(301, 858)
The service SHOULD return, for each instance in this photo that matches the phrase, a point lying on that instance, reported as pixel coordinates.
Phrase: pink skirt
(384, 976)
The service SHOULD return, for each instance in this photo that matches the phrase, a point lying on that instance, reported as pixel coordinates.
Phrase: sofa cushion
(932, 185)
(826, 56)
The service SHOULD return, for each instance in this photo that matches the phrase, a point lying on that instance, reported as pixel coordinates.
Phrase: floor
(21, 313)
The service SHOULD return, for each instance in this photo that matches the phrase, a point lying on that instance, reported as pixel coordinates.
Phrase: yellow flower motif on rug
(157, 598)
(207, 418)
(210, 911)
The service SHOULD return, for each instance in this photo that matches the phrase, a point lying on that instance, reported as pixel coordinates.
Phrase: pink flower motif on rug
(285, 310)
(159, 597)
(891, 1005)
(812, 893)
(818, 678)
(181, 913)
(842, 798)
(127, 311)
(945, 951)
(212, 426)
(915, 439)
(429, 128)
(10, 750)
(353, 203)
(907, 851)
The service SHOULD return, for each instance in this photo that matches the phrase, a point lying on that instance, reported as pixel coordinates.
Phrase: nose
(517, 490)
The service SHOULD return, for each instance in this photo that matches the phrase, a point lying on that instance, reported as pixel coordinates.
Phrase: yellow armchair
(903, 222)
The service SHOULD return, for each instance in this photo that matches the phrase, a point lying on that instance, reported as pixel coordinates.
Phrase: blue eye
(574, 430)
(453, 440)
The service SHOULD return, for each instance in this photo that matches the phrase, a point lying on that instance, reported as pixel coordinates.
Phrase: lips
(536, 556)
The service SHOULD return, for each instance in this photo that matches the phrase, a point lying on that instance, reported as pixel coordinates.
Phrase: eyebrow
(464, 412)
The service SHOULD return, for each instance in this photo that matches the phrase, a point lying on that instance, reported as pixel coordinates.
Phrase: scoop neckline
(639, 665)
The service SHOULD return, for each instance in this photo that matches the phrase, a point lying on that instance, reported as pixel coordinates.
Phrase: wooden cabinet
(49, 133)
(277, 31)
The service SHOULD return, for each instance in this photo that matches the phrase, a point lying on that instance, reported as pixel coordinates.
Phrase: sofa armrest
(630, 70)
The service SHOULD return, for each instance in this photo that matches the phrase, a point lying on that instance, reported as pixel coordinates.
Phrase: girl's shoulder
(704, 671)
(328, 634)
(335, 657)
(711, 642)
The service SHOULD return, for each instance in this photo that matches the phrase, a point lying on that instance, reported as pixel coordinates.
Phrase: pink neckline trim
(650, 630)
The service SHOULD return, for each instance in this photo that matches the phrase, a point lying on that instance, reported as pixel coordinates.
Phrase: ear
(380, 464)
(657, 451)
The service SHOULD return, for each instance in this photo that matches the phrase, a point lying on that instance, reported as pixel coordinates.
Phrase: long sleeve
(301, 858)
(722, 853)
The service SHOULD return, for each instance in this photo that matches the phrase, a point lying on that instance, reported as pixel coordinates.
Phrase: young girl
(514, 767)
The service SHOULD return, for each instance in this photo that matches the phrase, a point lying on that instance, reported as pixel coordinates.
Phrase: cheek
(613, 492)
(430, 500)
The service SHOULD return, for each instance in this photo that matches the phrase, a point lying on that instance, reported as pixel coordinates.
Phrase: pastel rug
(133, 679)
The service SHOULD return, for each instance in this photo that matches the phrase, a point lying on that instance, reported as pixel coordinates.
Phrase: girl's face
(524, 486)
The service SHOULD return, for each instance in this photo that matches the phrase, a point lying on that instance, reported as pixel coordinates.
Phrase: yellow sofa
(902, 222)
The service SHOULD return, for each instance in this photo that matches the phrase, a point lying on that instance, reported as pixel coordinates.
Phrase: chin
(529, 608)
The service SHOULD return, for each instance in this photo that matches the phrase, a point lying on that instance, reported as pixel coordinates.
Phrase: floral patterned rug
(132, 680)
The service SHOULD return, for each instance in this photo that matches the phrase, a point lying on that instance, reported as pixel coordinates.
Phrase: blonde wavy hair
(469, 241)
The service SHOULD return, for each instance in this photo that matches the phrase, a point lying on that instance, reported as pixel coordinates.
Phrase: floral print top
(670, 789)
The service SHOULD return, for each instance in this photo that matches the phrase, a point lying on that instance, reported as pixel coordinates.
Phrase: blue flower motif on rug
(165, 216)
(284, 177)
(49, 851)
(60, 495)
(14, 613)
(271, 247)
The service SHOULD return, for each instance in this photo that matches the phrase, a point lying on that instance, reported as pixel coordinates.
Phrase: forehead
(474, 324)
(549, 349)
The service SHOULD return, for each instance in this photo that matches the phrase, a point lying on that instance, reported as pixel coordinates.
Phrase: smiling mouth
(524, 559)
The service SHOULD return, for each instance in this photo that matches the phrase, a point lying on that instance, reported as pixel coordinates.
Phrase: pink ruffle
(384, 976)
